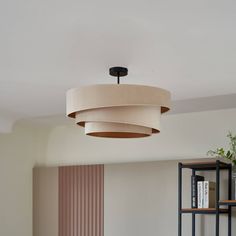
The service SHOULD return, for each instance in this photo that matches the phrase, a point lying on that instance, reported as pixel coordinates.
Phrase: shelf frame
(216, 166)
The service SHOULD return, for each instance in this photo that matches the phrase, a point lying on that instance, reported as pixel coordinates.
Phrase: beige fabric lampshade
(118, 111)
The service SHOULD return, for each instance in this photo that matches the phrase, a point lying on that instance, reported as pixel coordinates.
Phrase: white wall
(18, 153)
(182, 136)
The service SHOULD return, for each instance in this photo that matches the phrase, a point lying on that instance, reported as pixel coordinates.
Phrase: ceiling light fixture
(120, 110)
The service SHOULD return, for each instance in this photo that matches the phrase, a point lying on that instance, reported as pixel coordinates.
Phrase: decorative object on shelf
(229, 155)
(118, 111)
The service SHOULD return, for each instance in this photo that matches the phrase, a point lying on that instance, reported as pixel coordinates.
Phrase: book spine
(194, 196)
(202, 198)
(194, 192)
(234, 197)
(206, 194)
(199, 194)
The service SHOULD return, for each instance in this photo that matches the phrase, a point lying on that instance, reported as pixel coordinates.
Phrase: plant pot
(233, 182)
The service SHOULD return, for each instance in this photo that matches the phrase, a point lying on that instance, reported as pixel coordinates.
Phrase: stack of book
(203, 192)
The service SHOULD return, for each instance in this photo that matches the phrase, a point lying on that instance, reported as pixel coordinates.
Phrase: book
(209, 194)
(194, 180)
(200, 194)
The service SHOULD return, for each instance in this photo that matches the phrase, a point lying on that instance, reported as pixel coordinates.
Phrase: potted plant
(228, 155)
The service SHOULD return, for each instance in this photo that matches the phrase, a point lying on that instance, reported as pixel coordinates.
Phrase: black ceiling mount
(118, 72)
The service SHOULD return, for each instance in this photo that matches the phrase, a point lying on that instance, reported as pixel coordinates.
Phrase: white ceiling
(49, 46)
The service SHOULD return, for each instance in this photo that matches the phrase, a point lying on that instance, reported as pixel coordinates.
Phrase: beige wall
(19, 151)
(141, 199)
(45, 201)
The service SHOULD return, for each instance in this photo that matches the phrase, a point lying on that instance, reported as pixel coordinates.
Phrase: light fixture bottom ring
(116, 130)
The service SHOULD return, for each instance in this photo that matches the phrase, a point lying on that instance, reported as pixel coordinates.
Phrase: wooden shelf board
(228, 202)
(207, 165)
(203, 210)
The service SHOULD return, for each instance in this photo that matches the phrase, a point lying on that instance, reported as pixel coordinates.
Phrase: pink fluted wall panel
(81, 200)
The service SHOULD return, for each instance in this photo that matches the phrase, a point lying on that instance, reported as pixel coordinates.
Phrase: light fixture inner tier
(145, 116)
(116, 130)
(109, 95)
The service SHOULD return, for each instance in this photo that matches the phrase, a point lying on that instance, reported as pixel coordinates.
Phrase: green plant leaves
(230, 154)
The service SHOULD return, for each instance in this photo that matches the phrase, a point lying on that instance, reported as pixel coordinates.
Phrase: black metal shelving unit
(216, 166)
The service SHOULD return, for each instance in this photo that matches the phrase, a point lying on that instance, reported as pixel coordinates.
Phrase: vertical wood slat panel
(81, 201)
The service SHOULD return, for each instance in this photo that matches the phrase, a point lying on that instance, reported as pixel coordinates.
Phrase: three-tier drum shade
(118, 111)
